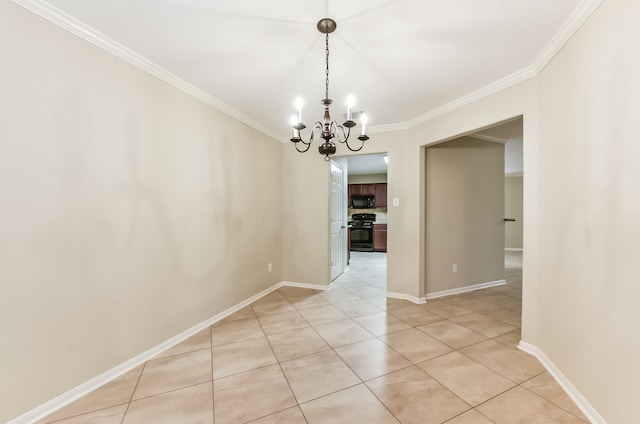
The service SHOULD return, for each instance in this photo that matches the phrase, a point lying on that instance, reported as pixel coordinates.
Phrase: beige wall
(513, 209)
(464, 214)
(367, 179)
(589, 285)
(129, 211)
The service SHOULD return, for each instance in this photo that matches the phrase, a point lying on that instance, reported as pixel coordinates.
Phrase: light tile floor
(347, 355)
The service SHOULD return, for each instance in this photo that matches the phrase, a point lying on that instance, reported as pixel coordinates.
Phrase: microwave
(363, 201)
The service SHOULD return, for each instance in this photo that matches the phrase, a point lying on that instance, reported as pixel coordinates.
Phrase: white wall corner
(582, 403)
(465, 289)
(404, 296)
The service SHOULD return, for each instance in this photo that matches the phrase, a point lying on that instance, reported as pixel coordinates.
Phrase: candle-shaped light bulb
(350, 102)
(298, 104)
(363, 119)
(293, 122)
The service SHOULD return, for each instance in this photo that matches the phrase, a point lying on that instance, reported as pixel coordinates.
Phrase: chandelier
(328, 129)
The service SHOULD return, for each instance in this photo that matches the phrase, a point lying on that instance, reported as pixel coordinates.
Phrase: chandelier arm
(345, 136)
(346, 142)
(303, 150)
(316, 126)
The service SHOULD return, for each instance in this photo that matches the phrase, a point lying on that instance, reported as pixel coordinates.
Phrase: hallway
(347, 355)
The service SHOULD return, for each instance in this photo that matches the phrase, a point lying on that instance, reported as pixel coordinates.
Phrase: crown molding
(75, 26)
(506, 82)
(388, 128)
(571, 25)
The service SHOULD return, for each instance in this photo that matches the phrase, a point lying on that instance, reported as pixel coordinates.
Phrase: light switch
(396, 201)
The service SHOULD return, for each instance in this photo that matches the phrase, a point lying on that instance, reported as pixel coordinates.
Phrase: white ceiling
(402, 59)
(367, 164)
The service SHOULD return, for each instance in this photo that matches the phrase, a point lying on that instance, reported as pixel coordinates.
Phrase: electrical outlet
(270, 267)
(455, 267)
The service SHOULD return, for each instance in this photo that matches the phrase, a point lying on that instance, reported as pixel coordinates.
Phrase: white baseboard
(465, 289)
(418, 300)
(582, 403)
(304, 285)
(513, 249)
(107, 376)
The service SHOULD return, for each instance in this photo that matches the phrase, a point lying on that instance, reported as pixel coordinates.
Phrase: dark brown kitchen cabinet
(380, 194)
(379, 237)
(359, 189)
(378, 190)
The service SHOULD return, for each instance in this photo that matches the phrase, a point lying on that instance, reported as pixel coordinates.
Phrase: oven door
(362, 239)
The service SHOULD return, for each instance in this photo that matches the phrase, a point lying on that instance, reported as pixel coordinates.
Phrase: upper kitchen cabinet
(378, 190)
(380, 193)
(360, 189)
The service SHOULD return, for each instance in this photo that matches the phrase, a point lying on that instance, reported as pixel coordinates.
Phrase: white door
(338, 227)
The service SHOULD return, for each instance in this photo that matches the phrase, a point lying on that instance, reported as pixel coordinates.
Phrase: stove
(362, 231)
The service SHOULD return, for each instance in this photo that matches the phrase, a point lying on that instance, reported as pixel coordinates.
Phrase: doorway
(365, 179)
(489, 257)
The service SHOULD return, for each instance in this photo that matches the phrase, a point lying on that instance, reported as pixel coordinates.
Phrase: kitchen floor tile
(317, 375)
(454, 335)
(199, 341)
(472, 382)
(353, 405)
(174, 372)
(520, 406)
(343, 332)
(235, 331)
(112, 415)
(357, 308)
(243, 356)
(547, 388)
(190, 405)
(470, 417)
(279, 323)
(415, 398)
(288, 416)
(415, 315)
(505, 315)
(371, 358)
(306, 301)
(512, 338)
(337, 295)
(483, 324)
(444, 309)
(415, 345)
(512, 363)
(322, 314)
(382, 323)
(297, 343)
(250, 395)
(276, 306)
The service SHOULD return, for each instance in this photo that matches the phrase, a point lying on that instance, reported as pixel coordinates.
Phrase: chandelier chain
(326, 93)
